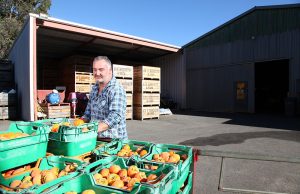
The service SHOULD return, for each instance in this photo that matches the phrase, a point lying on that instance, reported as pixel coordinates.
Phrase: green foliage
(13, 14)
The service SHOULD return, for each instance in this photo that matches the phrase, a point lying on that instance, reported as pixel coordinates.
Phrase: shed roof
(59, 38)
(239, 17)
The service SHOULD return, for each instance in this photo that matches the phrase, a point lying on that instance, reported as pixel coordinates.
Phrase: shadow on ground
(237, 138)
(274, 121)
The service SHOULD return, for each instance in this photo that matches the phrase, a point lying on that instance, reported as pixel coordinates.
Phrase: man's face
(102, 73)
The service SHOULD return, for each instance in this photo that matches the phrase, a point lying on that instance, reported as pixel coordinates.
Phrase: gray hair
(104, 58)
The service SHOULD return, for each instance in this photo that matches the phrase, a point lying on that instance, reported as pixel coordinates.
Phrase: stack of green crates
(23, 150)
(182, 168)
(70, 140)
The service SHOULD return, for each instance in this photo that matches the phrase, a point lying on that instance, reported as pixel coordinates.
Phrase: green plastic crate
(83, 182)
(163, 186)
(113, 147)
(46, 163)
(188, 185)
(71, 141)
(24, 150)
(182, 167)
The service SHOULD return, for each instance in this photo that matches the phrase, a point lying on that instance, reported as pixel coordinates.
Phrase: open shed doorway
(271, 86)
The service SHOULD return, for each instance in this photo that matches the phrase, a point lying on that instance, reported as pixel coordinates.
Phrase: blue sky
(175, 22)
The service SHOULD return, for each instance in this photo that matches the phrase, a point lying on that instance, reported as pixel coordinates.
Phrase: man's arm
(117, 109)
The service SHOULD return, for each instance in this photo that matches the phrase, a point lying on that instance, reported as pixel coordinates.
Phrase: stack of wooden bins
(146, 98)
(78, 75)
(124, 75)
(8, 106)
(8, 101)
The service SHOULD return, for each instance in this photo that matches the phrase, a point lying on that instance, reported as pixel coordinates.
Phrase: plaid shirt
(109, 107)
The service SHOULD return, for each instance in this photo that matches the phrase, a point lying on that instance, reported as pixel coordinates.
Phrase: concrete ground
(250, 134)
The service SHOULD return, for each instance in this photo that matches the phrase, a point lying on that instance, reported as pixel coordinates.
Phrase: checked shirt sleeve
(117, 107)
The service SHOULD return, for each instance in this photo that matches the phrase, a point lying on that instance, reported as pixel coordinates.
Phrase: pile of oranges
(127, 152)
(123, 178)
(169, 157)
(12, 135)
(38, 177)
(77, 122)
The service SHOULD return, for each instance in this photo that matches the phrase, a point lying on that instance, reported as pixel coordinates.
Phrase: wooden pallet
(83, 88)
(148, 112)
(56, 111)
(123, 71)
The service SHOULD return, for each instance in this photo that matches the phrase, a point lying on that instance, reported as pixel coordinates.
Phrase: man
(107, 101)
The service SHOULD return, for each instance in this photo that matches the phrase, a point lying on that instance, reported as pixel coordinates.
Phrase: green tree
(13, 14)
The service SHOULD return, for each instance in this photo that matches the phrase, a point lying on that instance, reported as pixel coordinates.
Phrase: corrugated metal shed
(219, 58)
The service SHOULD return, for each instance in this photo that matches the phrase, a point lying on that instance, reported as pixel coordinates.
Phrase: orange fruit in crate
(114, 169)
(112, 178)
(15, 183)
(132, 170)
(118, 184)
(55, 128)
(123, 173)
(68, 124)
(104, 172)
(132, 182)
(143, 153)
(78, 122)
(25, 184)
(141, 176)
(126, 147)
(89, 191)
(151, 177)
(102, 181)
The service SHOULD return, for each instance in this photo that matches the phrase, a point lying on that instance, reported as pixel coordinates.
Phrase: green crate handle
(34, 127)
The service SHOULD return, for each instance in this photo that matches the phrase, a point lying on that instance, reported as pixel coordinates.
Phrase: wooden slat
(127, 84)
(129, 99)
(142, 86)
(8, 112)
(123, 71)
(7, 99)
(146, 99)
(148, 112)
(83, 77)
(129, 112)
(84, 88)
(147, 72)
(56, 111)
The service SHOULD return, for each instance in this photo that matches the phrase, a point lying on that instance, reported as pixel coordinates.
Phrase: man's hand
(102, 127)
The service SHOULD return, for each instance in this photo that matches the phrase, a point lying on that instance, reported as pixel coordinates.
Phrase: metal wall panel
(21, 57)
(173, 77)
(216, 67)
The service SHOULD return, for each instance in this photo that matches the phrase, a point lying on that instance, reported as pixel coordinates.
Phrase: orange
(118, 184)
(78, 122)
(123, 173)
(126, 147)
(132, 170)
(143, 153)
(104, 172)
(112, 178)
(114, 169)
(55, 128)
(151, 177)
